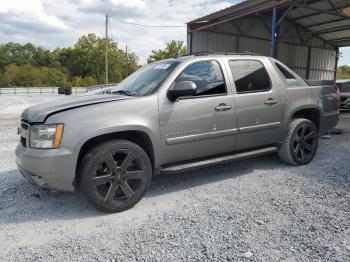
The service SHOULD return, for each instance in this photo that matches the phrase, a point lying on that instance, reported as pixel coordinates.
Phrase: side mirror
(184, 88)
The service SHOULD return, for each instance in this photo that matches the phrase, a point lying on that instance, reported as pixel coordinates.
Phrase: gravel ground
(253, 210)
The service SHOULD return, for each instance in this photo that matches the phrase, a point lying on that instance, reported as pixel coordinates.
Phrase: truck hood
(39, 113)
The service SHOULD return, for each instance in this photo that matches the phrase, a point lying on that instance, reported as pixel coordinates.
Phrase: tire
(300, 144)
(115, 175)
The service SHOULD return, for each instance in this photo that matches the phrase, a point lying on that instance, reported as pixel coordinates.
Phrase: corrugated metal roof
(326, 19)
(229, 10)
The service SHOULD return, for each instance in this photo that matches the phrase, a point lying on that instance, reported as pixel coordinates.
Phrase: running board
(196, 164)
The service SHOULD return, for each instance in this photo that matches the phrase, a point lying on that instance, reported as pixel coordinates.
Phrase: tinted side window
(284, 72)
(249, 76)
(207, 75)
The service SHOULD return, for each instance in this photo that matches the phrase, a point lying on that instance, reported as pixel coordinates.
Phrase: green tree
(13, 53)
(84, 81)
(81, 65)
(343, 72)
(43, 57)
(53, 77)
(23, 75)
(28, 54)
(27, 75)
(87, 58)
(172, 49)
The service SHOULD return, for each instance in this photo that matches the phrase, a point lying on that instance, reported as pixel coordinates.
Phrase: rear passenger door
(258, 107)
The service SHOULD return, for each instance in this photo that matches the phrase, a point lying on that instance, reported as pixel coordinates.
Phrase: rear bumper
(328, 122)
(52, 168)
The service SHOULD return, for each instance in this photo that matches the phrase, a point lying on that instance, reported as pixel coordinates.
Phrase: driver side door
(200, 125)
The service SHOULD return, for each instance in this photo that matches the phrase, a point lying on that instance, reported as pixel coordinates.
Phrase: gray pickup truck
(171, 116)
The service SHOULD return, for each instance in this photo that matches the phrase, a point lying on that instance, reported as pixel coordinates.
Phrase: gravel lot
(253, 210)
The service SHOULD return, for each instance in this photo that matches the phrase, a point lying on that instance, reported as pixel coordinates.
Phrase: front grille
(23, 141)
(342, 99)
(24, 133)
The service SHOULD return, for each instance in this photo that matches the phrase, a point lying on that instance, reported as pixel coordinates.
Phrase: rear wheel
(115, 175)
(301, 143)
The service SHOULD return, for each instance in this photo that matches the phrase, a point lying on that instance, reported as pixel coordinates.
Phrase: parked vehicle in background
(171, 116)
(344, 87)
(64, 91)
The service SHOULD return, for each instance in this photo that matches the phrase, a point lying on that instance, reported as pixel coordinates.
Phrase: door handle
(270, 101)
(222, 107)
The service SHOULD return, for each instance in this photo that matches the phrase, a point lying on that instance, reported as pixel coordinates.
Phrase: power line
(144, 25)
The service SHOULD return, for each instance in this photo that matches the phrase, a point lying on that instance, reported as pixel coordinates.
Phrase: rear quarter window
(287, 74)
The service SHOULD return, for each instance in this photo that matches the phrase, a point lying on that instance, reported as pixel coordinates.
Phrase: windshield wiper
(122, 92)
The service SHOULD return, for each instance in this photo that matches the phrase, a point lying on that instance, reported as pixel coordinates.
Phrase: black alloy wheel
(300, 144)
(304, 143)
(115, 175)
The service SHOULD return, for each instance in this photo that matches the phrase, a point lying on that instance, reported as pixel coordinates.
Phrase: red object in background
(338, 96)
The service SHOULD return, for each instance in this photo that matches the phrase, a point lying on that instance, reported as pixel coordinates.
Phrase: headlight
(46, 136)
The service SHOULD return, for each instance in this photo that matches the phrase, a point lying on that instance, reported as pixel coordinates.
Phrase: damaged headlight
(45, 136)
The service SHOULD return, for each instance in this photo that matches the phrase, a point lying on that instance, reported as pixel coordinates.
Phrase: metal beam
(260, 8)
(326, 22)
(237, 27)
(308, 62)
(268, 40)
(343, 39)
(307, 16)
(336, 64)
(273, 32)
(332, 5)
(264, 23)
(343, 44)
(297, 28)
(286, 29)
(237, 44)
(285, 14)
(318, 12)
(190, 41)
(332, 30)
(251, 26)
(309, 39)
(299, 34)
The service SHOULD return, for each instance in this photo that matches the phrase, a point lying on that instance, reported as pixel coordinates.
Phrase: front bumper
(49, 168)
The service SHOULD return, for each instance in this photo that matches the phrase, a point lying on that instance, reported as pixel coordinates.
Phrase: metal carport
(304, 34)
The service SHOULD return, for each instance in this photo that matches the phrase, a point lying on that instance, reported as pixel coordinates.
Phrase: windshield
(146, 80)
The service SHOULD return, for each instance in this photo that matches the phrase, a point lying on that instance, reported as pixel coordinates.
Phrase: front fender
(83, 124)
(122, 128)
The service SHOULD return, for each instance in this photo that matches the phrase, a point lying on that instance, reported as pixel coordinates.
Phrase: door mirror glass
(180, 89)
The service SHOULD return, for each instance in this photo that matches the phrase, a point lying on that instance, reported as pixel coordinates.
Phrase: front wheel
(115, 175)
(300, 145)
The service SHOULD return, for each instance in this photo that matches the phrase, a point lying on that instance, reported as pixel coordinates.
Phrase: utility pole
(106, 58)
(126, 61)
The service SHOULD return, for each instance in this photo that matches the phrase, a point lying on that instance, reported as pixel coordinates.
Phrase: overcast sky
(59, 23)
